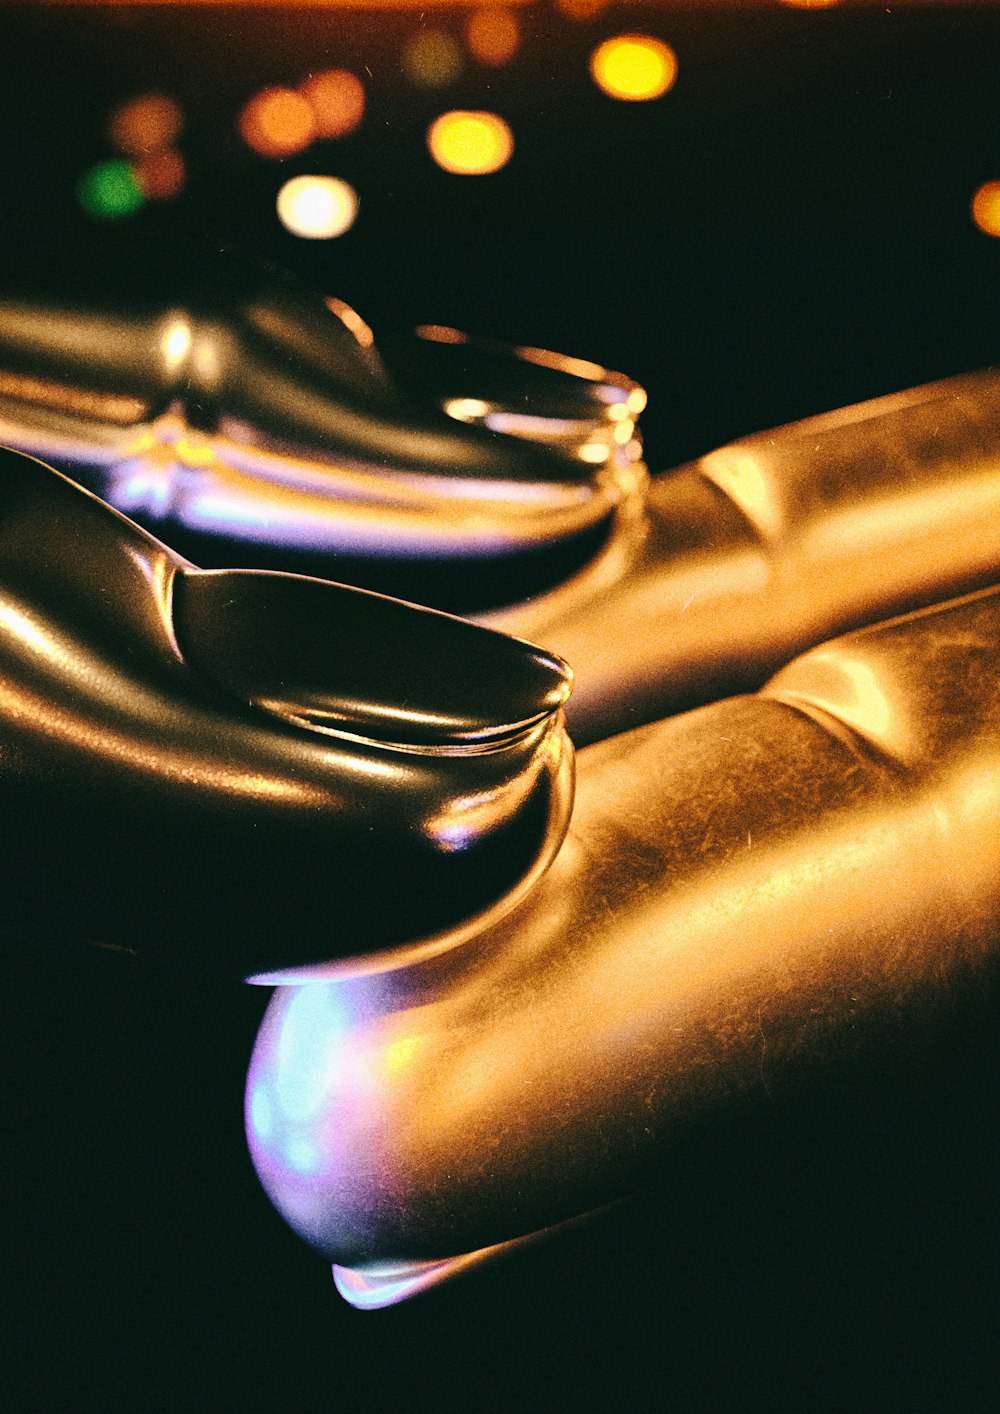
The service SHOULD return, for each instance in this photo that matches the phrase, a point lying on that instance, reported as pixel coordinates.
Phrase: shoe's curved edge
(363, 664)
(247, 409)
(751, 554)
(762, 902)
(379, 1284)
(269, 800)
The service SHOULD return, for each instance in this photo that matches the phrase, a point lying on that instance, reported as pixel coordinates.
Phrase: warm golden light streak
(634, 67)
(470, 143)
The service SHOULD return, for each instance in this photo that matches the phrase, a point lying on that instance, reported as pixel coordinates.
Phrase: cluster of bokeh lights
(280, 122)
(144, 132)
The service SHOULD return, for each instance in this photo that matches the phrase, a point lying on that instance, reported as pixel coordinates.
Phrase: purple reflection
(293, 1087)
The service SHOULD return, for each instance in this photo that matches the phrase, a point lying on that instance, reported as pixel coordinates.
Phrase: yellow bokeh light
(317, 208)
(634, 67)
(337, 99)
(809, 4)
(470, 144)
(986, 208)
(277, 122)
(432, 58)
(492, 36)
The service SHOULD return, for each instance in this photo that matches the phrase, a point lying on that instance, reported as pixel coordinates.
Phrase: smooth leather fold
(237, 772)
(768, 899)
(252, 423)
(758, 550)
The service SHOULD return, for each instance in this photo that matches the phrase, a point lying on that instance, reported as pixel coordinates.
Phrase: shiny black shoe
(251, 422)
(237, 770)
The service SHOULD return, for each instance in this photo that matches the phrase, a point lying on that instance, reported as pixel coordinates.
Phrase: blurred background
(759, 211)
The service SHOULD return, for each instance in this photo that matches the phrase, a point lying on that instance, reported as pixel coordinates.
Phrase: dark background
(786, 231)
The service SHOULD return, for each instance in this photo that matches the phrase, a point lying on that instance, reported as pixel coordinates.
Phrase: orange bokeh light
(160, 175)
(493, 36)
(986, 208)
(581, 9)
(337, 100)
(151, 122)
(277, 122)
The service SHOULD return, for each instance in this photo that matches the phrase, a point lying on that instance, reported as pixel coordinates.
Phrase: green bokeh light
(109, 190)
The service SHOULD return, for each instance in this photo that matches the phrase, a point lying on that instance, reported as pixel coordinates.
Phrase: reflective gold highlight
(785, 895)
(781, 539)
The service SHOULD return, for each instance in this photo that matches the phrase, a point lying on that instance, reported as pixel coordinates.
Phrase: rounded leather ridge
(159, 809)
(755, 902)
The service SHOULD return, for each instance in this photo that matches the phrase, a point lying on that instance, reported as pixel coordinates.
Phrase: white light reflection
(466, 409)
(317, 208)
(306, 1066)
(176, 343)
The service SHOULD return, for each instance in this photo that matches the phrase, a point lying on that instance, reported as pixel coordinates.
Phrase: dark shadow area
(787, 231)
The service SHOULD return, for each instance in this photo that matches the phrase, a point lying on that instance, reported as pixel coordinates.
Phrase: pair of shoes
(769, 902)
(242, 770)
(756, 894)
(249, 422)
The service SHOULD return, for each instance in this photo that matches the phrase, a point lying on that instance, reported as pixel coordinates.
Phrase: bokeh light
(493, 36)
(109, 190)
(160, 175)
(317, 208)
(470, 144)
(808, 4)
(277, 122)
(986, 208)
(582, 9)
(634, 67)
(151, 122)
(337, 100)
(432, 58)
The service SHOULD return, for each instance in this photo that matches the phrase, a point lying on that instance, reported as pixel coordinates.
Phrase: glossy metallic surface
(767, 899)
(759, 550)
(243, 769)
(249, 421)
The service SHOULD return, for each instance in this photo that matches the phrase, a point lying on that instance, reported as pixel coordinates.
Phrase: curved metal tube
(762, 899)
(225, 767)
(250, 422)
(756, 551)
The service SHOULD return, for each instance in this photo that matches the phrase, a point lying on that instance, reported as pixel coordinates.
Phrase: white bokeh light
(317, 208)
